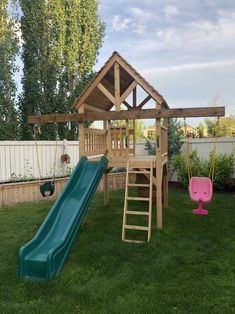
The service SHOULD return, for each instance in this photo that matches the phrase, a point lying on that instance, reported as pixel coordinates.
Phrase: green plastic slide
(43, 256)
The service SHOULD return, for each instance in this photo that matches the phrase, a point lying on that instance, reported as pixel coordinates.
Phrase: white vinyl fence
(204, 146)
(19, 159)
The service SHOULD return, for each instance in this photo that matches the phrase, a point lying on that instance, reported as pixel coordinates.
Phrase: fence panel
(204, 146)
(18, 159)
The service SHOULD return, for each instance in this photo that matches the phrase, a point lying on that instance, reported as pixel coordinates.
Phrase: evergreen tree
(61, 43)
(175, 137)
(8, 51)
(175, 140)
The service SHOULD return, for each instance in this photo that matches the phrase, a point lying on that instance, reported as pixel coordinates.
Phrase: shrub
(150, 147)
(175, 140)
(223, 168)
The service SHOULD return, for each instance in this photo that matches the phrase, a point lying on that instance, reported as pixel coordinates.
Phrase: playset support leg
(165, 186)
(106, 190)
(158, 174)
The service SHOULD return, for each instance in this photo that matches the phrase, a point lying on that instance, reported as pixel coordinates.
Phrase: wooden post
(127, 138)
(106, 189)
(105, 176)
(158, 173)
(165, 170)
(134, 138)
(109, 140)
(105, 137)
(165, 186)
(117, 86)
(81, 135)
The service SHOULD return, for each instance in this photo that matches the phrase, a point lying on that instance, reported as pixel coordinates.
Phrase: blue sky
(185, 49)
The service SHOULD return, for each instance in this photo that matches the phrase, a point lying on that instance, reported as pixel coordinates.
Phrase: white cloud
(191, 66)
(201, 35)
(170, 11)
(140, 14)
(120, 24)
(137, 21)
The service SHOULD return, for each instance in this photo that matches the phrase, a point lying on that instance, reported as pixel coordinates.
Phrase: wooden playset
(110, 96)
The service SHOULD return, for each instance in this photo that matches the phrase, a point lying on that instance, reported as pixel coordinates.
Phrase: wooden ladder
(132, 169)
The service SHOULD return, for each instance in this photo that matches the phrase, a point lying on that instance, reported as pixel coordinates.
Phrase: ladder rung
(135, 212)
(139, 171)
(139, 184)
(133, 241)
(146, 199)
(132, 227)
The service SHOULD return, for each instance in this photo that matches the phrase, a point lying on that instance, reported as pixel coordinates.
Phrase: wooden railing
(121, 141)
(164, 141)
(95, 142)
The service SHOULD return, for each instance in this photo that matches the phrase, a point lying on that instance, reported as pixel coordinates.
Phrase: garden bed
(28, 191)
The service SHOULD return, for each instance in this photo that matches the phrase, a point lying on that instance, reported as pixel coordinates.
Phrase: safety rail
(121, 141)
(95, 142)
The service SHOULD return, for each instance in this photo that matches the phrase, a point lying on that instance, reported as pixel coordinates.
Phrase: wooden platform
(142, 161)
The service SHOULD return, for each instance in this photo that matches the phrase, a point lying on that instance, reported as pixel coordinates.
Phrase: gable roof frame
(96, 83)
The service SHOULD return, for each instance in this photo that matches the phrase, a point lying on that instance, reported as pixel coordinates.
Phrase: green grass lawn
(189, 267)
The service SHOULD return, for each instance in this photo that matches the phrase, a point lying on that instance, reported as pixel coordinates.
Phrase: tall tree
(201, 130)
(225, 127)
(61, 42)
(8, 52)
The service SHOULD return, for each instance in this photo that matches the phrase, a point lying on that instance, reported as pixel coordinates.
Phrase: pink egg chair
(200, 191)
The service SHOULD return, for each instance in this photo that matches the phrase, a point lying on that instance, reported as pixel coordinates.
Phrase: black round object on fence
(47, 188)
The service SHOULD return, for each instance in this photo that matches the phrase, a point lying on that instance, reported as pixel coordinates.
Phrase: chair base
(201, 211)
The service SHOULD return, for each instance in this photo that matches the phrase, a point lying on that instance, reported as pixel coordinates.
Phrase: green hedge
(224, 166)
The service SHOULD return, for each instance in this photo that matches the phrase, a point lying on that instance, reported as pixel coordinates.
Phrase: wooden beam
(91, 108)
(128, 91)
(117, 86)
(130, 114)
(106, 93)
(144, 101)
